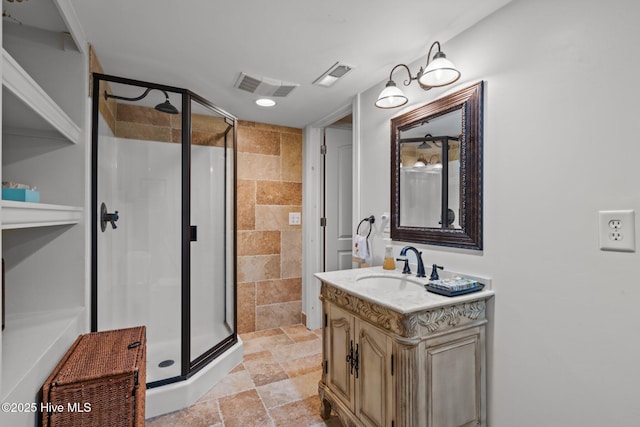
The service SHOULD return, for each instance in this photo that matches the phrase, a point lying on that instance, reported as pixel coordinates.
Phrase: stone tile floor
(275, 386)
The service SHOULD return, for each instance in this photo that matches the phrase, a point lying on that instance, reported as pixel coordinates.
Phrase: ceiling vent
(264, 86)
(329, 77)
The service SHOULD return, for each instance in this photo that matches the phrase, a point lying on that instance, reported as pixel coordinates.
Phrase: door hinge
(323, 222)
(323, 149)
(392, 359)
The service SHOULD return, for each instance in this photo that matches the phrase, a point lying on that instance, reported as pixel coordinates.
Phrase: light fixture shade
(391, 97)
(440, 72)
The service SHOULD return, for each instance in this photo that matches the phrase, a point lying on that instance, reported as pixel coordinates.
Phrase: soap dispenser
(389, 263)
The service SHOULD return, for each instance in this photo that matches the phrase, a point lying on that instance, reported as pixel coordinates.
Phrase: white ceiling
(203, 45)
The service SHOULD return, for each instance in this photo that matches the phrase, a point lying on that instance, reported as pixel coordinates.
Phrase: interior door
(338, 196)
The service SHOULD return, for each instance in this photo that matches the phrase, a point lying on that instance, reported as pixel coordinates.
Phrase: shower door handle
(193, 233)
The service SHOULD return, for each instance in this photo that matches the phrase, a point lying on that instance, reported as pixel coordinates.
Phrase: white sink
(387, 283)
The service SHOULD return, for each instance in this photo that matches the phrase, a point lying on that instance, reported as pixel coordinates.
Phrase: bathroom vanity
(397, 355)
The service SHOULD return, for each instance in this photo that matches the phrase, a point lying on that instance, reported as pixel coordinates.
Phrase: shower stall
(163, 232)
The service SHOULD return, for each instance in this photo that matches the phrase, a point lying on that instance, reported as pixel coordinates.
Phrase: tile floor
(276, 386)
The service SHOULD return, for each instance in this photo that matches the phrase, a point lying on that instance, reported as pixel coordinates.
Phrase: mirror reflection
(430, 172)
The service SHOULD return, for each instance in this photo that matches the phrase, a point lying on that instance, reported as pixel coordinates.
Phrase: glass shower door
(211, 161)
(139, 231)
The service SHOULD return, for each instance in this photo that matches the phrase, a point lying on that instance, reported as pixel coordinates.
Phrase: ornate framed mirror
(436, 171)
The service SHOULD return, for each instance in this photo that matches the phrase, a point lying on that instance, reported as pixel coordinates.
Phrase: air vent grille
(249, 84)
(264, 86)
(283, 90)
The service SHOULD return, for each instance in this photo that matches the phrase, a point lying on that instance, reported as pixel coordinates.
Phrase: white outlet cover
(294, 218)
(622, 237)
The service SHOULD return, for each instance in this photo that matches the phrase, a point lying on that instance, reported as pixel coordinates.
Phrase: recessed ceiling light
(265, 102)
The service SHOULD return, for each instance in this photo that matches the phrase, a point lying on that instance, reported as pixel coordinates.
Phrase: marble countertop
(408, 295)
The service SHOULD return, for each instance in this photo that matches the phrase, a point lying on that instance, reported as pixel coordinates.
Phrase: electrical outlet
(294, 218)
(615, 224)
(617, 230)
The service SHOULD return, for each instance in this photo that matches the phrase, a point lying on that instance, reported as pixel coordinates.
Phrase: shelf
(29, 215)
(32, 345)
(27, 106)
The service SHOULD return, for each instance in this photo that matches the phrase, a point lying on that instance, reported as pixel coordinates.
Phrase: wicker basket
(101, 381)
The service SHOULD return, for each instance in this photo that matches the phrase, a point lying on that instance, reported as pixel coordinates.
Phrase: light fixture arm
(431, 49)
(406, 82)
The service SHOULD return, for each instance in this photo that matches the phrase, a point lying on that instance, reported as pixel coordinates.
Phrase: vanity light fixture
(438, 72)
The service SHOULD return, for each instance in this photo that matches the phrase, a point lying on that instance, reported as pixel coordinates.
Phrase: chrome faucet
(403, 252)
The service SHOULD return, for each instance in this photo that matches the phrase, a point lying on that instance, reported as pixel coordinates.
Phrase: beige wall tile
(207, 139)
(258, 243)
(275, 217)
(291, 255)
(144, 132)
(276, 315)
(251, 140)
(276, 291)
(142, 115)
(256, 268)
(246, 205)
(259, 167)
(291, 156)
(246, 307)
(266, 126)
(209, 124)
(279, 193)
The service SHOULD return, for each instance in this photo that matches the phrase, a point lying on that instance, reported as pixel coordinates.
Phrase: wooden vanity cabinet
(384, 368)
(358, 366)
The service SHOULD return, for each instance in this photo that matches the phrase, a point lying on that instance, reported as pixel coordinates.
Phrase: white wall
(560, 143)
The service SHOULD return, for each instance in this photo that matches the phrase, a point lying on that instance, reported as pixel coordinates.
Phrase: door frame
(312, 204)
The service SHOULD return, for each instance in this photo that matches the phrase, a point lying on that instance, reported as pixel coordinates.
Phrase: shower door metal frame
(188, 367)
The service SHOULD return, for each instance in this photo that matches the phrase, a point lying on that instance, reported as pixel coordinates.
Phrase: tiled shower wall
(269, 249)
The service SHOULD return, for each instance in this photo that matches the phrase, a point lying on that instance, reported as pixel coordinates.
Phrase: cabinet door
(340, 327)
(374, 390)
(455, 379)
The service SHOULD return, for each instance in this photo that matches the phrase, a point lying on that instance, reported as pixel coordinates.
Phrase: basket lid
(100, 354)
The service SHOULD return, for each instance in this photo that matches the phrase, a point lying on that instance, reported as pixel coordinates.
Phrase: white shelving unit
(44, 244)
(27, 90)
(28, 215)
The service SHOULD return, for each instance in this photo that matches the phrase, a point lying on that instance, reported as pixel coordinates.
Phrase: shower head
(164, 107)
(425, 145)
